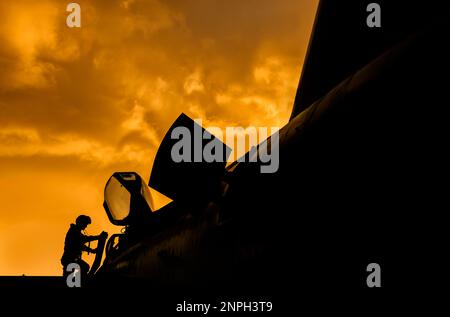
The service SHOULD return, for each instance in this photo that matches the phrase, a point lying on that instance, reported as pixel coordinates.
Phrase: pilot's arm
(88, 249)
(90, 238)
(87, 239)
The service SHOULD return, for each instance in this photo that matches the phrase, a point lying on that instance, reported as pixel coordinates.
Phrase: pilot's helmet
(83, 220)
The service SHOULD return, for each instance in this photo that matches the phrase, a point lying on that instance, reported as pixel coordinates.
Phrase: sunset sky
(77, 105)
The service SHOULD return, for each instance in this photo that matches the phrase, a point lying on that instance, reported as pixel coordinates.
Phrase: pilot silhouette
(75, 244)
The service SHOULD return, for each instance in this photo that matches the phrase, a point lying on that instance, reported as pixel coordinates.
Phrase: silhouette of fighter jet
(360, 176)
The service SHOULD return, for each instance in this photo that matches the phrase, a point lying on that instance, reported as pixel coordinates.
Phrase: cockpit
(127, 198)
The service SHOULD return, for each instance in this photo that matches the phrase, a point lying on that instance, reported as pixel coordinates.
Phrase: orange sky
(77, 105)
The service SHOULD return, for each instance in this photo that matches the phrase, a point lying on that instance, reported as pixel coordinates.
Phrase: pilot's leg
(84, 267)
(64, 267)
